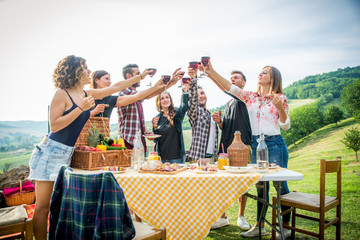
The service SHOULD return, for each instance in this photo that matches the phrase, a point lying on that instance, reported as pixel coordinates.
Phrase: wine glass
(194, 65)
(151, 75)
(182, 75)
(184, 81)
(166, 79)
(204, 61)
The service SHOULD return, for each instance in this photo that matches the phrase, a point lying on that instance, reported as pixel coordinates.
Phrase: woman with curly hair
(103, 107)
(69, 111)
(168, 124)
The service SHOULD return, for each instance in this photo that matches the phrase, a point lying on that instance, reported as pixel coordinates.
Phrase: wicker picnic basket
(101, 123)
(238, 152)
(20, 198)
(95, 160)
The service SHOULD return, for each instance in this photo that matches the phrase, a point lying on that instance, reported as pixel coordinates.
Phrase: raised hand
(277, 101)
(87, 103)
(191, 72)
(217, 116)
(145, 73)
(155, 121)
(100, 108)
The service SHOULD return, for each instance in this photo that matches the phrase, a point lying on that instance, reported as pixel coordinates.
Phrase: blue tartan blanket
(89, 206)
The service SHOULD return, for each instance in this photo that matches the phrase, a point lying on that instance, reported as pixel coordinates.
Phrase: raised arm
(221, 82)
(184, 105)
(175, 78)
(129, 99)
(194, 101)
(117, 87)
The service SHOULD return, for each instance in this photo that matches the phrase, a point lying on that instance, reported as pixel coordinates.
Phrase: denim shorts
(47, 159)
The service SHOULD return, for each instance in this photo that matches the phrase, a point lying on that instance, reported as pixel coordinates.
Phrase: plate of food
(233, 169)
(209, 169)
(151, 136)
(156, 167)
(273, 166)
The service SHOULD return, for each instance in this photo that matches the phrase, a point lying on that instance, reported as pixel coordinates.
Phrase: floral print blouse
(264, 117)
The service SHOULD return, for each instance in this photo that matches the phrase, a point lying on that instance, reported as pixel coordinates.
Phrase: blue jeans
(278, 153)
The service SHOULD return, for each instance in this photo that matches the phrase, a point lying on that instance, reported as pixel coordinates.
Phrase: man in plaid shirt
(204, 129)
(131, 117)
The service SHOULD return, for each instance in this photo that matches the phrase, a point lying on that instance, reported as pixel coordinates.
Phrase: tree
(350, 97)
(333, 114)
(352, 140)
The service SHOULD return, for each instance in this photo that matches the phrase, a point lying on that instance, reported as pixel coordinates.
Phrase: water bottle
(137, 153)
(262, 155)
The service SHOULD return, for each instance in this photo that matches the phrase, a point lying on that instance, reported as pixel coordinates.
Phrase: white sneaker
(222, 222)
(244, 225)
(287, 233)
(254, 232)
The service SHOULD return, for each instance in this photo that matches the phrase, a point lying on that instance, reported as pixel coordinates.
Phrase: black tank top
(70, 133)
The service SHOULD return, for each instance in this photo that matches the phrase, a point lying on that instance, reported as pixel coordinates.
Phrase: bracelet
(80, 108)
(141, 77)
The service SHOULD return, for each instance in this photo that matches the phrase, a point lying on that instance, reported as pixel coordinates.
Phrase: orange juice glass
(223, 160)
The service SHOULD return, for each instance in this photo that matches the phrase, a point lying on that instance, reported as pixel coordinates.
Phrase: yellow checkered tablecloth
(186, 204)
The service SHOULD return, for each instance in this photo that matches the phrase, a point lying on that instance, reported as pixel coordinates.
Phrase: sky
(300, 38)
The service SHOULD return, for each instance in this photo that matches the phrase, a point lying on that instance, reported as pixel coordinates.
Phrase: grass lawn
(304, 158)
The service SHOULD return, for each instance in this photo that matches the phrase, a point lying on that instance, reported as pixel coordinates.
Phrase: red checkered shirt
(128, 118)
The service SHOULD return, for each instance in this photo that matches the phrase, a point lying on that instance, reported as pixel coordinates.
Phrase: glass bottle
(262, 155)
(137, 153)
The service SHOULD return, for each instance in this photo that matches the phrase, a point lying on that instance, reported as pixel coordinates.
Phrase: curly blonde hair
(69, 71)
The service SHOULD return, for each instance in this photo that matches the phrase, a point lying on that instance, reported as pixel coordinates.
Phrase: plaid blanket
(89, 206)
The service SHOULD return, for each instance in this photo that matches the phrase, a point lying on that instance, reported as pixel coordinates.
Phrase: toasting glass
(204, 61)
(194, 65)
(184, 81)
(151, 75)
(166, 79)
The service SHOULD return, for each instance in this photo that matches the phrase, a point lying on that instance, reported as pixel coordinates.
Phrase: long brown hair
(276, 81)
(172, 109)
(97, 75)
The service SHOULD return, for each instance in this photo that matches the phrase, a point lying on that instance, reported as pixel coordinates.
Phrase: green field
(304, 158)
(294, 103)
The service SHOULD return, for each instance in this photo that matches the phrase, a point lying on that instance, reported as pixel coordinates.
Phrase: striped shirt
(200, 120)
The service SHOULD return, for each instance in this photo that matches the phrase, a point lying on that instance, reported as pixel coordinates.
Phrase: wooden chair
(18, 225)
(146, 232)
(315, 203)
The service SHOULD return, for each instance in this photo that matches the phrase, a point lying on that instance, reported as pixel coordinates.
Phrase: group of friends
(250, 112)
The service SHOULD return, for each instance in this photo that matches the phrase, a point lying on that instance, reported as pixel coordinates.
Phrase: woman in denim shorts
(268, 112)
(69, 111)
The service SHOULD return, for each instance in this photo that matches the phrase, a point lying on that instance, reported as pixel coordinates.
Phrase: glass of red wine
(151, 75)
(166, 79)
(204, 61)
(182, 75)
(194, 65)
(184, 81)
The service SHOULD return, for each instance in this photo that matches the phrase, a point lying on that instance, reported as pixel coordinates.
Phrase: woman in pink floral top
(268, 111)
